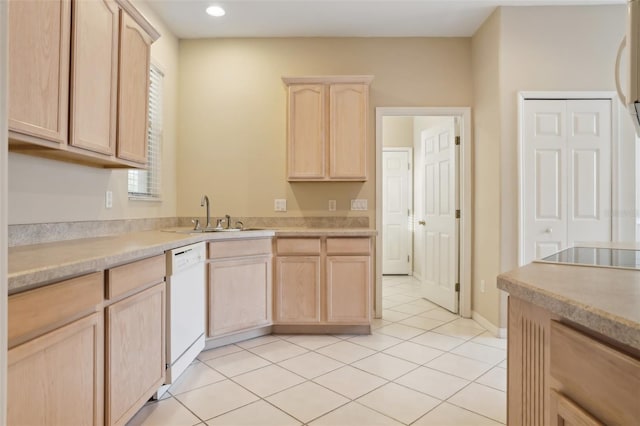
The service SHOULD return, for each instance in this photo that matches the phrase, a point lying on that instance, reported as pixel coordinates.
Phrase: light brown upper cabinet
(327, 128)
(39, 40)
(94, 75)
(133, 91)
(79, 81)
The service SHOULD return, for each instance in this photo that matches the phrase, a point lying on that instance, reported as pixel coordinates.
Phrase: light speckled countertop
(32, 266)
(605, 300)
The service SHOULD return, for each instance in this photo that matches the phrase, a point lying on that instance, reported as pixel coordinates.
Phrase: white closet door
(566, 176)
(589, 171)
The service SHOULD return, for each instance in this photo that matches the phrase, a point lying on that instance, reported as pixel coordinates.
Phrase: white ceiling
(333, 18)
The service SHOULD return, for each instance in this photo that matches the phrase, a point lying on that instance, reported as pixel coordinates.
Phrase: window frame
(151, 177)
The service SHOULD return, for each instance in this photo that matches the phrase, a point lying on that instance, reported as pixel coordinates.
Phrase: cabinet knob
(548, 231)
(422, 222)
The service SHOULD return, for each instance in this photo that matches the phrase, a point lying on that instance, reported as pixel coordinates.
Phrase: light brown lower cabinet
(56, 351)
(348, 289)
(57, 378)
(559, 375)
(297, 289)
(323, 281)
(240, 276)
(135, 337)
(565, 412)
(81, 353)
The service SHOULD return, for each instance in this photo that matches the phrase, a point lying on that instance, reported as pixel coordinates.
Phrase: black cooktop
(591, 256)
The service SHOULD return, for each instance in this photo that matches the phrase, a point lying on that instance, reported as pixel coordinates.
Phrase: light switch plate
(332, 205)
(280, 205)
(359, 204)
(108, 199)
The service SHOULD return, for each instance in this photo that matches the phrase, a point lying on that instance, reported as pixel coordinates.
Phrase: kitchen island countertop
(605, 300)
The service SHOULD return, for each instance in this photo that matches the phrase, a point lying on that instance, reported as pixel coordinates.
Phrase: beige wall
(233, 113)
(486, 182)
(43, 190)
(397, 132)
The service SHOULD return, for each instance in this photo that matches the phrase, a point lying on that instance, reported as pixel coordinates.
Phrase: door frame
(409, 151)
(465, 202)
(615, 142)
(3, 208)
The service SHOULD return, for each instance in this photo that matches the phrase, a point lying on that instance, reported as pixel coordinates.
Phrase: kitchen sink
(203, 231)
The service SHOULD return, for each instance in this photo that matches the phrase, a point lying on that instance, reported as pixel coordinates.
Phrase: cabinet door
(565, 412)
(133, 91)
(39, 39)
(94, 69)
(135, 364)
(57, 378)
(297, 290)
(306, 132)
(348, 134)
(606, 383)
(239, 294)
(348, 289)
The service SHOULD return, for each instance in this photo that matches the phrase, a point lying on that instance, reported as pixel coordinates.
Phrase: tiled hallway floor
(421, 366)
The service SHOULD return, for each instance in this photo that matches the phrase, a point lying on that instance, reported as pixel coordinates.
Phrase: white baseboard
(496, 331)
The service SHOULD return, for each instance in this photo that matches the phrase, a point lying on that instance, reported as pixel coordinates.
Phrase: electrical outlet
(359, 204)
(280, 205)
(481, 286)
(108, 199)
(332, 205)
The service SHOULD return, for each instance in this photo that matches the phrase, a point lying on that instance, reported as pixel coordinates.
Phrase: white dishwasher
(186, 281)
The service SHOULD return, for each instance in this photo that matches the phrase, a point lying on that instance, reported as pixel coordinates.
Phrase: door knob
(422, 222)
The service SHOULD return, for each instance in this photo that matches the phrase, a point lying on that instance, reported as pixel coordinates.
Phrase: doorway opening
(435, 230)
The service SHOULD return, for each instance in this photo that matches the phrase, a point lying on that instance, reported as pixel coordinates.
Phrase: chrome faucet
(204, 202)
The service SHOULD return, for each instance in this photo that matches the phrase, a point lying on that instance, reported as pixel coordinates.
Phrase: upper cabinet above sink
(327, 128)
(79, 73)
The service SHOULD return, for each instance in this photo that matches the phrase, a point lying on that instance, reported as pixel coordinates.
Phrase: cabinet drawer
(123, 279)
(35, 312)
(237, 248)
(348, 246)
(595, 376)
(301, 246)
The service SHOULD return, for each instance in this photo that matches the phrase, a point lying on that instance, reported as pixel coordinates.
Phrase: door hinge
(457, 140)
(457, 214)
(457, 286)
(408, 258)
(408, 212)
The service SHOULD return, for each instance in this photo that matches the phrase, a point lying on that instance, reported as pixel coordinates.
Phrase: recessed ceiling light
(216, 11)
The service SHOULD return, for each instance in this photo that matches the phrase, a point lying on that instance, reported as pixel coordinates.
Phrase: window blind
(146, 184)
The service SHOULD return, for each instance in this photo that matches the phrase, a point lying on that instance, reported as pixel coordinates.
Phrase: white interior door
(396, 205)
(440, 225)
(566, 187)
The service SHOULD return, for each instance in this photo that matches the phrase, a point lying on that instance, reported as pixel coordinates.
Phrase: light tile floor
(421, 366)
